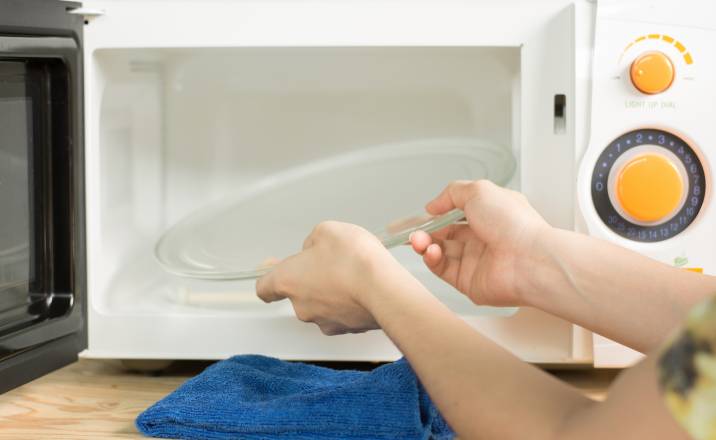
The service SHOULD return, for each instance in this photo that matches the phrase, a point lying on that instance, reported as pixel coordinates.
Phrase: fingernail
(410, 237)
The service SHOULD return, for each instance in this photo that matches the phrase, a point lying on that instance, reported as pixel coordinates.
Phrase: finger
(308, 242)
(273, 286)
(269, 262)
(442, 266)
(445, 260)
(301, 313)
(266, 290)
(317, 230)
(327, 327)
(420, 240)
(456, 195)
(434, 257)
(445, 201)
(450, 248)
(330, 330)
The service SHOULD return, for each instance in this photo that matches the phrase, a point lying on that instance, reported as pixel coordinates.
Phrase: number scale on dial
(668, 227)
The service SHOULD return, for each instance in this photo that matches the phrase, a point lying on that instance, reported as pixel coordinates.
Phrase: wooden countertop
(99, 399)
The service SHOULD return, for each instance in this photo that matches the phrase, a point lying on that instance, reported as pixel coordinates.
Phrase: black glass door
(35, 176)
(17, 270)
(42, 268)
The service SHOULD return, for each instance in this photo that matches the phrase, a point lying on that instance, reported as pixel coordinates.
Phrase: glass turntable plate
(242, 235)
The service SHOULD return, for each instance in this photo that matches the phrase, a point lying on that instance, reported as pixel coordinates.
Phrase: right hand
(488, 258)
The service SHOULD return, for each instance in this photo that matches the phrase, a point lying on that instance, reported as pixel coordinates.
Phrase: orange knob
(649, 187)
(652, 72)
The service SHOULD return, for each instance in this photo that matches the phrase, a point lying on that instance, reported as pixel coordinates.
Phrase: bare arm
(345, 281)
(610, 290)
(508, 255)
(484, 392)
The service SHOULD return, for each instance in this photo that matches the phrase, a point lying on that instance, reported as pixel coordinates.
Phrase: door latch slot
(560, 114)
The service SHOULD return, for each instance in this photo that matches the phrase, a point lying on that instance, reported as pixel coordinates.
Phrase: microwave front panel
(652, 90)
(645, 181)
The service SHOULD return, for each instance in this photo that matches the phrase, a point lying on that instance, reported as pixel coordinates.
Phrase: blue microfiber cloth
(257, 397)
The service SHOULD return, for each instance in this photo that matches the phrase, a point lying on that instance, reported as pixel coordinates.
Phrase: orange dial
(649, 187)
(652, 72)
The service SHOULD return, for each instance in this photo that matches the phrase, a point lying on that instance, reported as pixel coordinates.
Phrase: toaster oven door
(42, 309)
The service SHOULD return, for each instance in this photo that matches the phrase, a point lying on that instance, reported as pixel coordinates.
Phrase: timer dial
(648, 185)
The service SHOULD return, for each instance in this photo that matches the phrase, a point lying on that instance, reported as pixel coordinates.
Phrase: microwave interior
(184, 130)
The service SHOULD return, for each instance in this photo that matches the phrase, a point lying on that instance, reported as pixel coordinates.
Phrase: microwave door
(42, 266)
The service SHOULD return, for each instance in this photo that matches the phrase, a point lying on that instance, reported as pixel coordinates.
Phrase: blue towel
(256, 397)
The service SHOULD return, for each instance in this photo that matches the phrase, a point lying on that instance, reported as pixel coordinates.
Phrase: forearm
(605, 288)
(480, 388)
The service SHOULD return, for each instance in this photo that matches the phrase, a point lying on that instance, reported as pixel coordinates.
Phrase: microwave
(120, 118)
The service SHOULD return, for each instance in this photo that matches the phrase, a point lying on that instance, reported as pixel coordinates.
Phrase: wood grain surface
(99, 399)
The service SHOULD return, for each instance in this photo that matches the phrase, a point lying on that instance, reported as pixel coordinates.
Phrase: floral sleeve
(687, 373)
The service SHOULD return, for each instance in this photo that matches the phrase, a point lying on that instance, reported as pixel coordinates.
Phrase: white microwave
(603, 108)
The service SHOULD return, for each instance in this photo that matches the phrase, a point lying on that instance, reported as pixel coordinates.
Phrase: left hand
(329, 281)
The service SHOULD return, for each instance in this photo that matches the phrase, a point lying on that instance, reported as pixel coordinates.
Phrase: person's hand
(486, 258)
(329, 281)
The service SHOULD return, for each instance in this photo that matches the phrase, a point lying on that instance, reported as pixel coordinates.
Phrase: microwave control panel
(645, 179)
